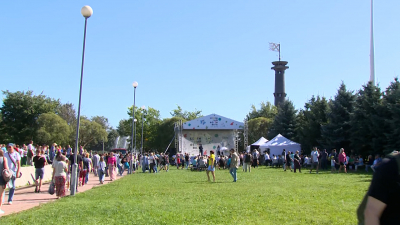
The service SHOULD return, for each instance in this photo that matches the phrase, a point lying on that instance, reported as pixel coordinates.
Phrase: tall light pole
(135, 121)
(141, 145)
(135, 84)
(86, 11)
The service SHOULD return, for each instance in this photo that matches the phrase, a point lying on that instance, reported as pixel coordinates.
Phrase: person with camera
(14, 164)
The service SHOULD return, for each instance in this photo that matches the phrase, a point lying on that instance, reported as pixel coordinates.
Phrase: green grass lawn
(264, 196)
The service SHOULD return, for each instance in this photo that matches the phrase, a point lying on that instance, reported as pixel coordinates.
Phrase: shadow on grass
(365, 180)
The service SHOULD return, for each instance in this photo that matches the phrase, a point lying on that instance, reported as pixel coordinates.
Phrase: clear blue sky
(209, 55)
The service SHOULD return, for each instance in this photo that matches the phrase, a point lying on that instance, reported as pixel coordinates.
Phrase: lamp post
(135, 121)
(141, 145)
(86, 11)
(135, 84)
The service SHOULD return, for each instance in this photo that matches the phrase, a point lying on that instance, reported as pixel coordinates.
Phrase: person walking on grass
(297, 162)
(211, 166)
(314, 158)
(234, 164)
(288, 162)
(59, 174)
(3, 183)
(342, 160)
(247, 162)
(166, 159)
(284, 159)
(333, 164)
(39, 162)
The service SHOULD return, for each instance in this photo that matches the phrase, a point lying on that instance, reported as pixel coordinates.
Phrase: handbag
(12, 160)
(6, 174)
(52, 188)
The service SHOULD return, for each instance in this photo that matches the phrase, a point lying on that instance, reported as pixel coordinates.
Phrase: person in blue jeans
(101, 167)
(234, 164)
(14, 164)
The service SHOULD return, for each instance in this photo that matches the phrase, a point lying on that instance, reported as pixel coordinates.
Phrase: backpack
(361, 208)
(247, 158)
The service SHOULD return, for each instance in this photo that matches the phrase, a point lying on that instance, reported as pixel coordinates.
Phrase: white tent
(260, 141)
(278, 143)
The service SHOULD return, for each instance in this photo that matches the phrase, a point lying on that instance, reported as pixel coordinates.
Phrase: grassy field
(264, 196)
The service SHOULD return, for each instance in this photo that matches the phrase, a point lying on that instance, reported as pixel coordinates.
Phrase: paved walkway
(26, 198)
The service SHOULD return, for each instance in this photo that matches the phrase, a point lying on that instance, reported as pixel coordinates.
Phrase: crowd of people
(317, 159)
(12, 157)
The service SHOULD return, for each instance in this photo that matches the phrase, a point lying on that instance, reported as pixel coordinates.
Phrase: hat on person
(10, 145)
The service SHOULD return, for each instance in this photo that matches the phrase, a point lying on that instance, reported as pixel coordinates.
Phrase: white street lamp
(134, 84)
(86, 11)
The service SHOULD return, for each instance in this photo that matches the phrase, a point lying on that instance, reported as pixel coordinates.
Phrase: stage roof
(213, 122)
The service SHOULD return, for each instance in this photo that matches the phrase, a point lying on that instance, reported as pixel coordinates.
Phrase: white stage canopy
(211, 131)
(278, 143)
(260, 141)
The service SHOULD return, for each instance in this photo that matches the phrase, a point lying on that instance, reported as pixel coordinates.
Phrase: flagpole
(279, 51)
(371, 54)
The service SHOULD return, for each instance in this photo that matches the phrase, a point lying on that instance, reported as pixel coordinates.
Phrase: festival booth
(278, 143)
(256, 145)
(212, 131)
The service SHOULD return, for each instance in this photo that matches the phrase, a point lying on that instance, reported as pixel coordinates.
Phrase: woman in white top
(59, 174)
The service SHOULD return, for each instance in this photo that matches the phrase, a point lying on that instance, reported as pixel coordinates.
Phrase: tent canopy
(278, 143)
(260, 141)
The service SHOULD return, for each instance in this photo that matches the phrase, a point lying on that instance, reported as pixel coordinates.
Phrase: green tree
(336, 133)
(267, 110)
(67, 112)
(284, 122)
(52, 129)
(91, 133)
(103, 121)
(20, 111)
(150, 124)
(258, 127)
(391, 110)
(367, 132)
(312, 118)
(165, 132)
(178, 112)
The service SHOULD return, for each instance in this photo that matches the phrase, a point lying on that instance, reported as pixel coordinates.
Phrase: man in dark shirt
(201, 149)
(384, 195)
(39, 163)
(288, 162)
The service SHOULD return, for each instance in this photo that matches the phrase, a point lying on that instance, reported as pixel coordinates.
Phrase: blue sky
(209, 55)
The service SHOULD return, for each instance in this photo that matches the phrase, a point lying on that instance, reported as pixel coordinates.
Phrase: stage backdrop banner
(210, 139)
